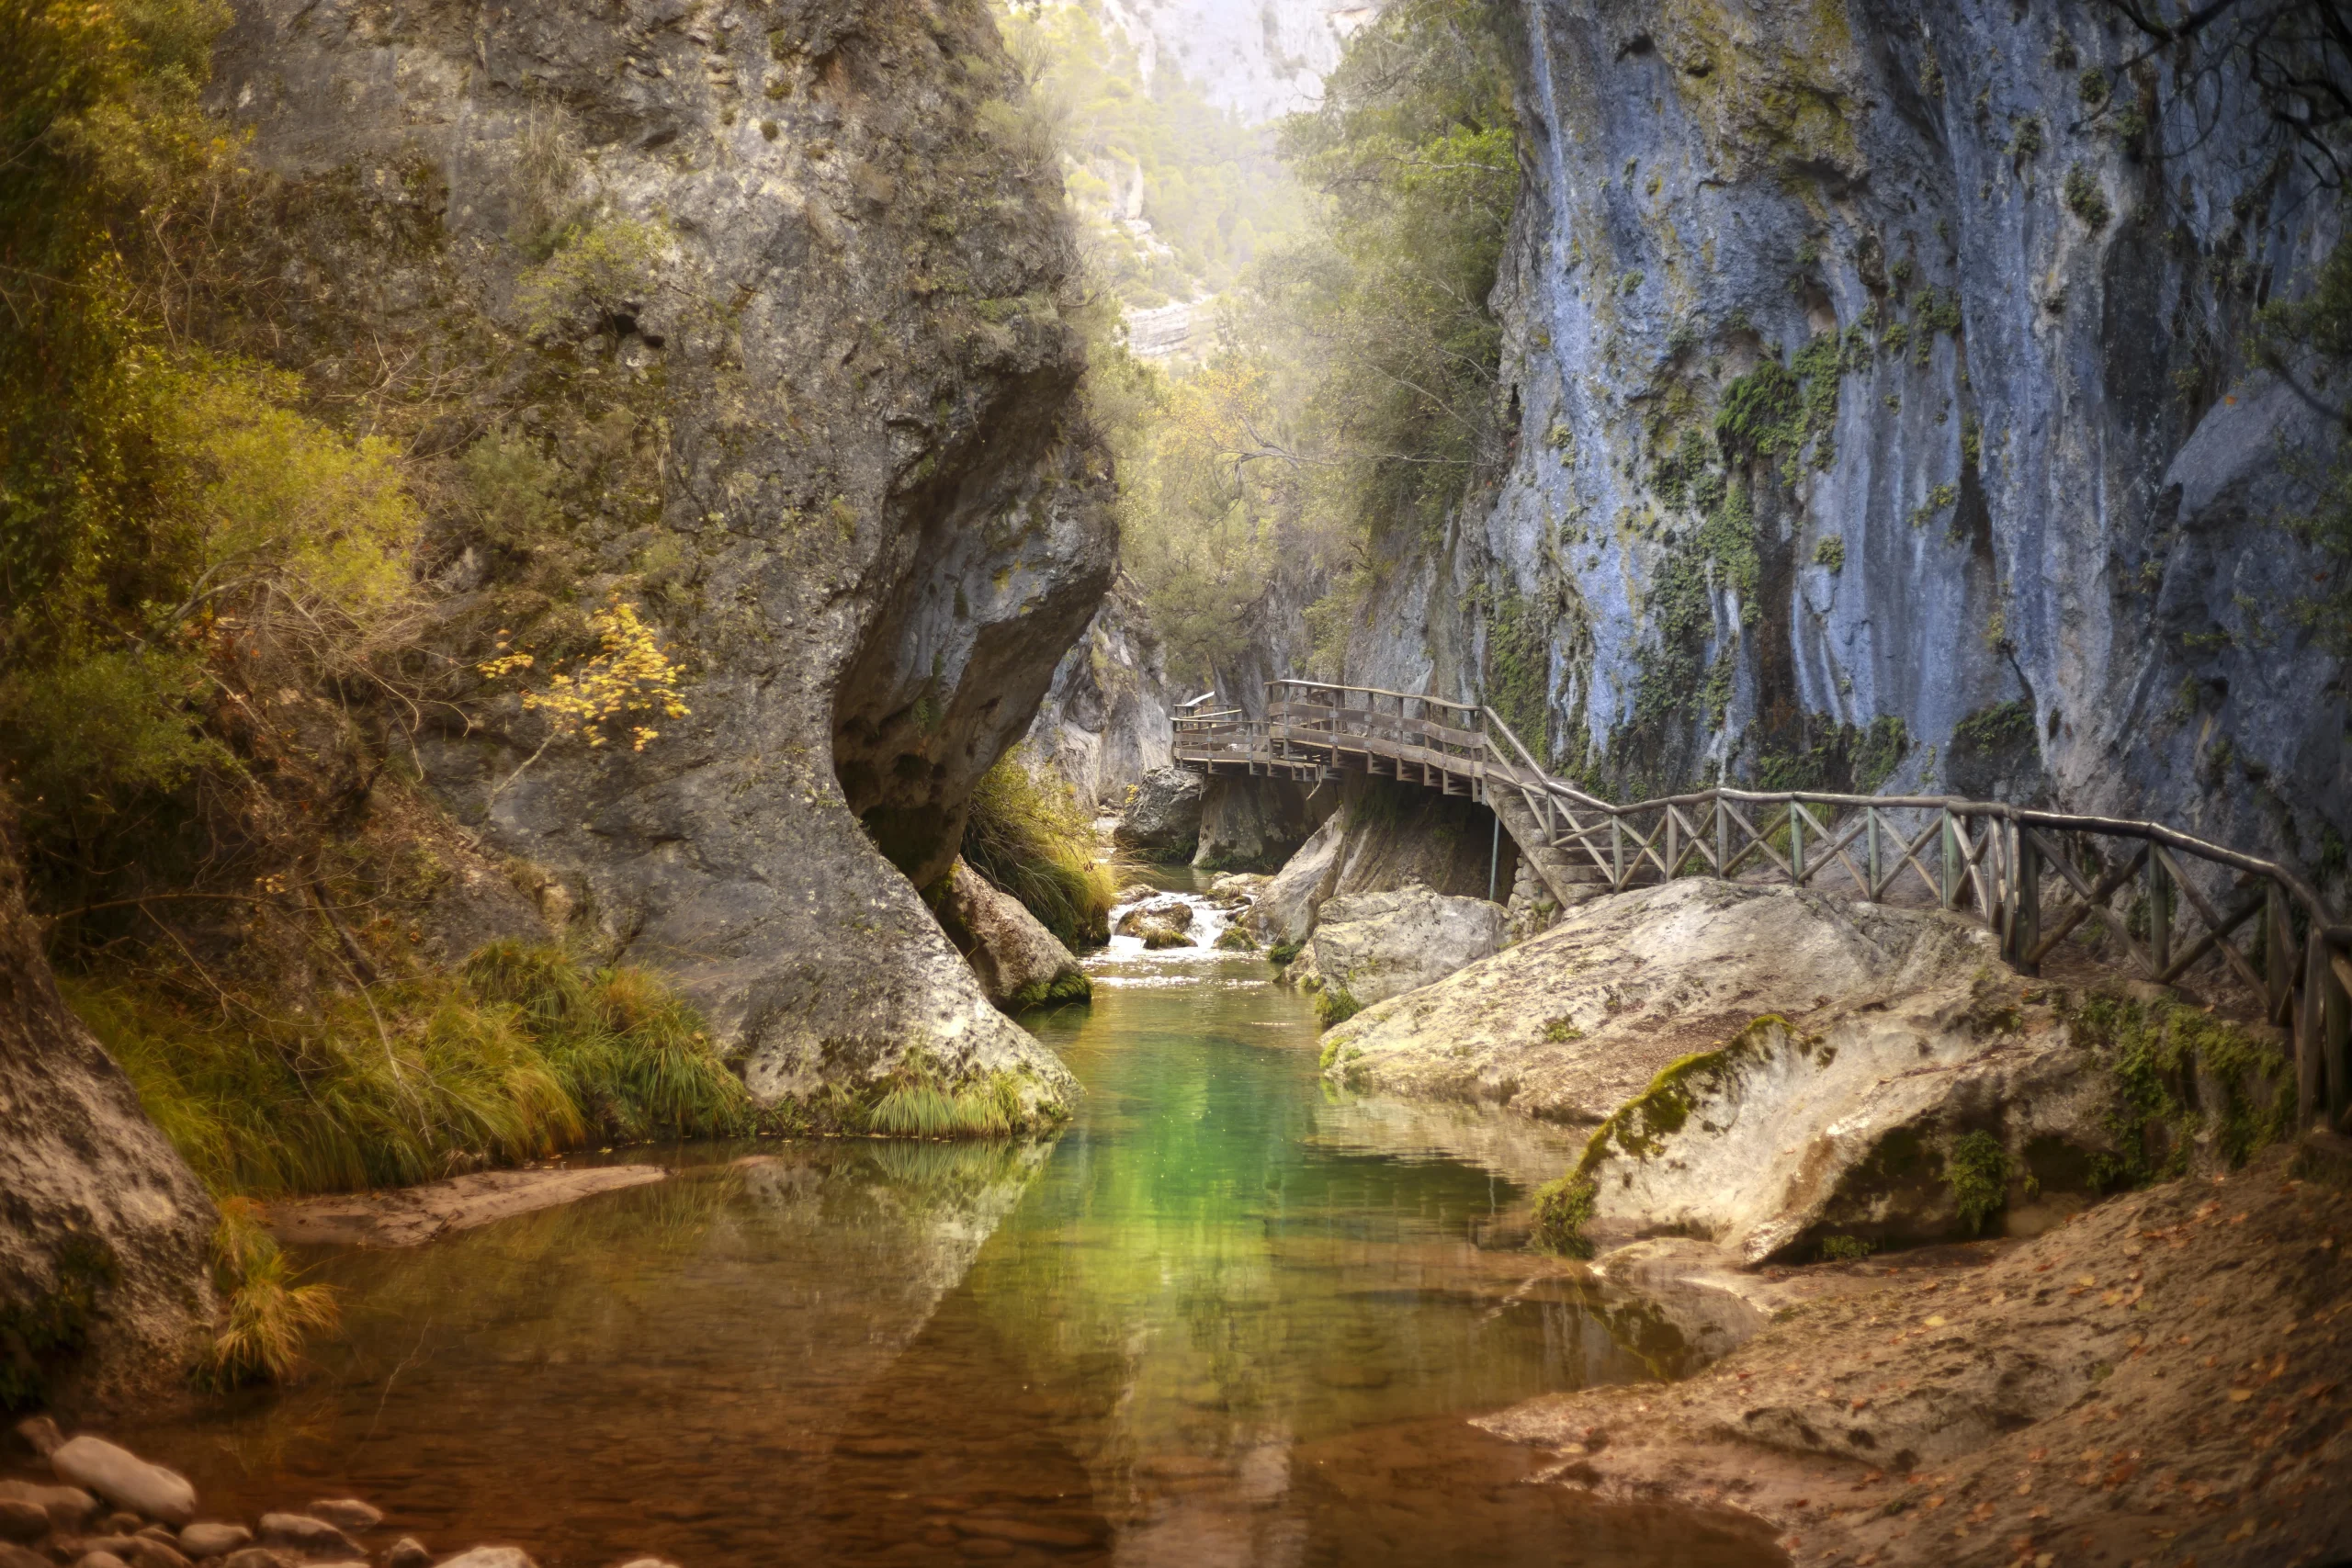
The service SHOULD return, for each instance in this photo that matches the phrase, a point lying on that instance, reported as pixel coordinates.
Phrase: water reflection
(1225, 1319)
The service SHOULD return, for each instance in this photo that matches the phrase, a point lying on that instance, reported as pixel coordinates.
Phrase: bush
(1029, 834)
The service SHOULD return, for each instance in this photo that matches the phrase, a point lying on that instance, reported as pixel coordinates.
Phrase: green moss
(1334, 1005)
(1560, 1030)
(2093, 88)
(1978, 1171)
(1989, 729)
(1845, 1249)
(1069, 985)
(1638, 1128)
(1775, 412)
(1563, 1209)
(1233, 939)
(2085, 200)
(1831, 553)
(1280, 953)
(1519, 667)
(2179, 1072)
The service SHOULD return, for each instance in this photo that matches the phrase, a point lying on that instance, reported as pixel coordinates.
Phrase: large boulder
(1163, 820)
(1369, 947)
(105, 1284)
(1018, 962)
(1571, 1024)
(1383, 837)
(1255, 824)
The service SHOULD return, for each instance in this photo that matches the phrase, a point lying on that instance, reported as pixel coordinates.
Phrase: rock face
(1105, 721)
(1573, 1024)
(1020, 964)
(104, 1281)
(1163, 821)
(1257, 824)
(778, 298)
(1809, 311)
(1373, 946)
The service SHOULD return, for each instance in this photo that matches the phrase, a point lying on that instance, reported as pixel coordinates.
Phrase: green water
(1224, 1319)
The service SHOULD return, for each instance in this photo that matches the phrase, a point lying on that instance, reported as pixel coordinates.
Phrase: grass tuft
(1031, 836)
(270, 1315)
(915, 1103)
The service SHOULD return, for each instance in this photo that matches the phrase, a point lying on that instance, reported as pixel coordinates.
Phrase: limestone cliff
(1883, 419)
(776, 292)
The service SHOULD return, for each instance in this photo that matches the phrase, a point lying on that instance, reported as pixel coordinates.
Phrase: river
(1228, 1316)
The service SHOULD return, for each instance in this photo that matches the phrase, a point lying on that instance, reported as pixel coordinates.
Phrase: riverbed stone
(310, 1537)
(100, 1558)
(122, 1477)
(40, 1433)
(67, 1506)
(213, 1538)
(255, 1557)
(1018, 962)
(1163, 820)
(14, 1556)
(1157, 936)
(1373, 946)
(347, 1514)
(490, 1557)
(407, 1553)
(1173, 913)
(21, 1521)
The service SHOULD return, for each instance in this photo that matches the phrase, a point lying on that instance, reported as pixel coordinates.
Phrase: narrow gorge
(1425, 782)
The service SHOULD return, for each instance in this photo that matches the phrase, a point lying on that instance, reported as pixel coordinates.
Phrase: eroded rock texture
(1880, 416)
(105, 1280)
(778, 291)
(1104, 722)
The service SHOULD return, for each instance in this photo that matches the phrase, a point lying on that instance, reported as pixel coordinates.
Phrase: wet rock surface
(2163, 1378)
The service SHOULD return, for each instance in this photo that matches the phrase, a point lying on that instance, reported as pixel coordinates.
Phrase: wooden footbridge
(2170, 901)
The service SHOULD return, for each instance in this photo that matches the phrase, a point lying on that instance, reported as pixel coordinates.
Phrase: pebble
(21, 1521)
(213, 1539)
(407, 1553)
(40, 1435)
(14, 1556)
(312, 1537)
(649, 1562)
(1022, 1532)
(123, 1478)
(67, 1506)
(347, 1514)
(253, 1557)
(100, 1559)
(120, 1523)
(490, 1557)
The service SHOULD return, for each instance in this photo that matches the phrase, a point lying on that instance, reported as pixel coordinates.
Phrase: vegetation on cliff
(1029, 834)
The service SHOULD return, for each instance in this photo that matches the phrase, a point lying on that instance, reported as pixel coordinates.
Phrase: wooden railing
(2034, 876)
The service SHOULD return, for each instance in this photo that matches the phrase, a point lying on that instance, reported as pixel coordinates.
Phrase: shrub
(1978, 1170)
(2085, 200)
(1029, 834)
(1845, 1249)
(269, 1314)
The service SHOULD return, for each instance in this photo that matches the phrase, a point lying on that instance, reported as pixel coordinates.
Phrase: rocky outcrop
(1809, 313)
(106, 1282)
(1162, 821)
(1261, 59)
(1020, 964)
(2145, 1373)
(1251, 824)
(1382, 838)
(1368, 947)
(1105, 721)
(763, 317)
(1570, 1025)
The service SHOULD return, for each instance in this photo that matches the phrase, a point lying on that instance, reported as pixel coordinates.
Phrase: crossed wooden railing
(2033, 876)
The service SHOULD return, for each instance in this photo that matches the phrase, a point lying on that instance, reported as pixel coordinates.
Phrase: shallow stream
(1228, 1318)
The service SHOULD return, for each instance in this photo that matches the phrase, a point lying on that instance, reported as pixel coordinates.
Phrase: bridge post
(2025, 928)
(2278, 951)
(1723, 838)
(2159, 915)
(1870, 830)
(2310, 1022)
(1951, 860)
(1494, 851)
(1616, 854)
(1796, 841)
